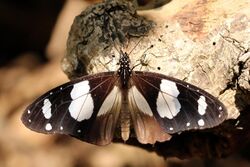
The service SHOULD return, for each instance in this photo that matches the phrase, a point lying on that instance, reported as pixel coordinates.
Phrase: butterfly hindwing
(177, 105)
(80, 108)
(146, 127)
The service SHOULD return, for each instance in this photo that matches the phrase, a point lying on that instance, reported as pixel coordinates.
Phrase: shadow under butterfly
(94, 108)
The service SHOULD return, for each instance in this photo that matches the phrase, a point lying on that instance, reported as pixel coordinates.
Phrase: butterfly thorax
(124, 71)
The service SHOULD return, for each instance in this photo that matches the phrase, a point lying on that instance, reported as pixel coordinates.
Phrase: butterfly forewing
(83, 108)
(177, 105)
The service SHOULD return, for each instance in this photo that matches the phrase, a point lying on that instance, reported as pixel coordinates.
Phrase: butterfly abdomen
(125, 119)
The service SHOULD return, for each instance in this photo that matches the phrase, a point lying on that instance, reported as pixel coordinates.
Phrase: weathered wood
(193, 43)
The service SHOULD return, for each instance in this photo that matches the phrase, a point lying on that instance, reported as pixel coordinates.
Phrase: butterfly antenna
(135, 46)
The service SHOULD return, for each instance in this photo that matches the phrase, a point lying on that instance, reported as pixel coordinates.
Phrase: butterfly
(93, 108)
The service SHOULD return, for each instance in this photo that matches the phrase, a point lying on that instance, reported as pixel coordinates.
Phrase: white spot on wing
(202, 105)
(81, 107)
(237, 123)
(48, 127)
(46, 109)
(240, 128)
(201, 122)
(79, 131)
(220, 108)
(140, 101)
(171, 128)
(188, 124)
(28, 111)
(109, 101)
(29, 120)
(61, 127)
(167, 103)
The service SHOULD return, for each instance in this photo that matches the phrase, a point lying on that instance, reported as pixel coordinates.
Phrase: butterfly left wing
(86, 108)
(177, 105)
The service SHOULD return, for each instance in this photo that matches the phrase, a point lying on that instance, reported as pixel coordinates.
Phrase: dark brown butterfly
(94, 107)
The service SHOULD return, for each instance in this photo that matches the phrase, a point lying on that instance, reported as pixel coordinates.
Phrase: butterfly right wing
(178, 106)
(87, 108)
